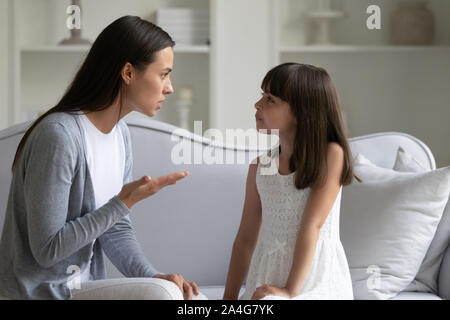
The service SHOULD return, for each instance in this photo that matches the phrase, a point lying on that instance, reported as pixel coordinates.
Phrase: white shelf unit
(225, 76)
(361, 49)
(42, 70)
(85, 49)
(382, 87)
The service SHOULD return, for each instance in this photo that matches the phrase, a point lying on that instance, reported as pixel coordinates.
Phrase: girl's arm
(318, 207)
(320, 202)
(246, 238)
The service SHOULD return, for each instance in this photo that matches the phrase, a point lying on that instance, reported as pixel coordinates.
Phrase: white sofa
(189, 228)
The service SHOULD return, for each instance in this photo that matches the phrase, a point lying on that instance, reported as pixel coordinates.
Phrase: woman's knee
(128, 289)
(160, 289)
(167, 290)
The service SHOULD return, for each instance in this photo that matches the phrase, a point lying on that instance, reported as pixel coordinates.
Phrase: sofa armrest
(444, 276)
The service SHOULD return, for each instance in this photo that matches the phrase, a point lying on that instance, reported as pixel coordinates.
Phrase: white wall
(243, 55)
(4, 115)
(406, 92)
(45, 75)
(380, 91)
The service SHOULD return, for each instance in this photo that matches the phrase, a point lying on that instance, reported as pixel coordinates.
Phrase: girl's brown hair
(314, 102)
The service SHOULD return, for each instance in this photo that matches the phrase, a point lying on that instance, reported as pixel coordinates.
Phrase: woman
(71, 191)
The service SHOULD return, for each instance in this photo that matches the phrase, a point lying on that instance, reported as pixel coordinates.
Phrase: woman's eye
(165, 75)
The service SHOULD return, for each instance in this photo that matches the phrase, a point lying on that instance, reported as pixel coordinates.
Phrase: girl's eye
(268, 98)
(165, 75)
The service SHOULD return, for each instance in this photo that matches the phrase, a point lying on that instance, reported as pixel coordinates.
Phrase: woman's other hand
(187, 287)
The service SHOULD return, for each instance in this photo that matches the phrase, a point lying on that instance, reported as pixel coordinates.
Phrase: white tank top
(105, 154)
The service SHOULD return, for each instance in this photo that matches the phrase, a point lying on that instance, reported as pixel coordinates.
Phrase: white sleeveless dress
(282, 208)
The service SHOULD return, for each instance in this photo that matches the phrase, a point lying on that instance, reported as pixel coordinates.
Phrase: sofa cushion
(426, 279)
(216, 292)
(384, 252)
(444, 276)
(405, 162)
(405, 295)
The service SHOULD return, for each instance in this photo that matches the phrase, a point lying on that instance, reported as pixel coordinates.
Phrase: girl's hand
(187, 287)
(145, 187)
(268, 290)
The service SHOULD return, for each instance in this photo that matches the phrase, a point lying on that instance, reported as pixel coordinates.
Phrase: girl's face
(274, 113)
(146, 90)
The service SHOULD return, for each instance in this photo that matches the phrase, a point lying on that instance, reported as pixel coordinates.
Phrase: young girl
(292, 217)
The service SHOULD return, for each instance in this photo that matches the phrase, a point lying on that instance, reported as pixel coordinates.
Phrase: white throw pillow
(387, 224)
(361, 160)
(405, 162)
(426, 279)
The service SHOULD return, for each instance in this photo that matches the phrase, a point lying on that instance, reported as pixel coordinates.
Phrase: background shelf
(361, 48)
(83, 49)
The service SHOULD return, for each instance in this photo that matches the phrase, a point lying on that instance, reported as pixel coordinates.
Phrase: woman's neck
(106, 119)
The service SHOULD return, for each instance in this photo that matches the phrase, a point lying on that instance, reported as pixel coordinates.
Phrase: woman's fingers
(187, 290)
(169, 179)
(178, 280)
(194, 287)
(146, 186)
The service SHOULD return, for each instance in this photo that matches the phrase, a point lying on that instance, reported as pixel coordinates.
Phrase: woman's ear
(128, 73)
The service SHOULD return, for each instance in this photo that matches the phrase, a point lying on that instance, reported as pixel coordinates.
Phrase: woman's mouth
(159, 104)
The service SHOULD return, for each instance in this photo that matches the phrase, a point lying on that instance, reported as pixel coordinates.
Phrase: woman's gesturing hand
(138, 190)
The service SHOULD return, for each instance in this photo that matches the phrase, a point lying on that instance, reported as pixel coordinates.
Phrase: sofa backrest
(189, 228)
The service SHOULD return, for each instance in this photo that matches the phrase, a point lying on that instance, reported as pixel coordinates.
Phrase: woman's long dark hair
(98, 82)
(314, 102)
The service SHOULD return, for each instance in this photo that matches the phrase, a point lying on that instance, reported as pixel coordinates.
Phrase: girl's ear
(128, 73)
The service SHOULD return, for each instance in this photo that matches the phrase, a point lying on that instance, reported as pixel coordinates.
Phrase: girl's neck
(287, 146)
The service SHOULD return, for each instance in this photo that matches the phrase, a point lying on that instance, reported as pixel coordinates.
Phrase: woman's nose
(257, 106)
(168, 89)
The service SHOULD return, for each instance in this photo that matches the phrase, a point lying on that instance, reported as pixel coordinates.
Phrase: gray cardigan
(50, 222)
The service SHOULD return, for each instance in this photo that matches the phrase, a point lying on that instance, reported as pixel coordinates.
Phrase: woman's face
(147, 89)
(274, 113)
